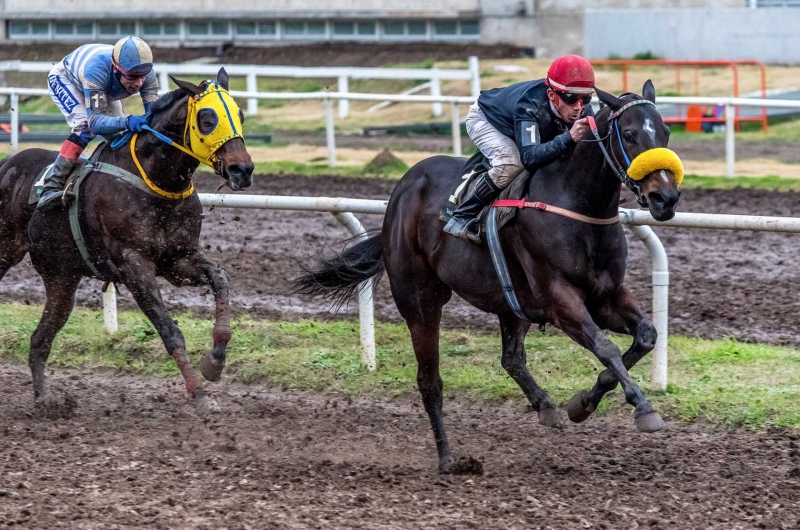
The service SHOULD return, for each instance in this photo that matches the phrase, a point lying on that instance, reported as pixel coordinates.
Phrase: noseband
(620, 172)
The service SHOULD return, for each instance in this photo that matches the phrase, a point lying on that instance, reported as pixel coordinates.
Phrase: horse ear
(649, 91)
(186, 86)
(612, 101)
(222, 78)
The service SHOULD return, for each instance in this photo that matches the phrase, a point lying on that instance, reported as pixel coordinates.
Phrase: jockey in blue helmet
(87, 86)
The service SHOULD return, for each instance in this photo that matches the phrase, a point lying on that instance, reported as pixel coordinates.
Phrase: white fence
(327, 99)
(251, 73)
(639, 222)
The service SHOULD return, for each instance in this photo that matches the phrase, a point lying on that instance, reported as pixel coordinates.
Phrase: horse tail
(336, 278)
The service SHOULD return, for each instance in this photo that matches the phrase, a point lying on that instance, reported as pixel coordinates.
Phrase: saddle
(477, 165)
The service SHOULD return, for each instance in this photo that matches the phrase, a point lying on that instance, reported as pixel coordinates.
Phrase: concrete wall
(766, 34)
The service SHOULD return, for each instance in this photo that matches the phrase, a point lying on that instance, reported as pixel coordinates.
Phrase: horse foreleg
(620, 314)
(198, 270)
(139, 276)
(60, 301)
(569, 313)
(515, 363)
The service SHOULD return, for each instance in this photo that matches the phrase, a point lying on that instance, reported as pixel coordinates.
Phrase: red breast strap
(522, 203)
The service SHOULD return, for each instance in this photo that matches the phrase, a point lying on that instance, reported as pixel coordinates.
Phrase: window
(343, 28)
(127, 28)
(293, 28)
(84, 28)
(105, 28)
(366, 28)
(18, 28)
(267, 28)
(470, 27)
(219, 27)
(445, 27)
(151, 28)
(417, 27)
(198, 28)
(172, 28)
(394, 27)
(64, 28)
(316, 28)
(245, 28)
(39, 28)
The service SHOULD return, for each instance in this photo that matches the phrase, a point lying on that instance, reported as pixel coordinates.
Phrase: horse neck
(583, 183)
(165, 166)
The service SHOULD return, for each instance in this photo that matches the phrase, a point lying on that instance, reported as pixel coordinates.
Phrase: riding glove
(137, 123)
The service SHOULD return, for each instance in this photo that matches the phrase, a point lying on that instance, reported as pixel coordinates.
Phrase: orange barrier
(683, 115)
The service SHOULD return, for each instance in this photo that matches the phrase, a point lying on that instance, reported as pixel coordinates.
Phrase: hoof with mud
(52, 407)
(551, 417)
(650, 422)
(210, 367)
(576, 410)
(465, 465)
(205, 403)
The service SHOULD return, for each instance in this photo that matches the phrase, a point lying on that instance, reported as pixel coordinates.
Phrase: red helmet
(571, 73)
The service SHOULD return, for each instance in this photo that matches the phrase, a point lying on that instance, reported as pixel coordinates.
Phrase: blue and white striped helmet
(132, 56)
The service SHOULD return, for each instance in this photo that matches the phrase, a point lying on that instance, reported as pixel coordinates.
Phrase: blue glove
(137, 123)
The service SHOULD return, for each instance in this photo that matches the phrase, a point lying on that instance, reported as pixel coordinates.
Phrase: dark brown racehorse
(140, 235)
(566, 272)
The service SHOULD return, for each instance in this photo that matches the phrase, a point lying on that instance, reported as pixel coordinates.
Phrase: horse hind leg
(514, 362)
(60, 301)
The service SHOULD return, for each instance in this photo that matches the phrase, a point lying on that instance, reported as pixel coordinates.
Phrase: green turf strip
(721, 381)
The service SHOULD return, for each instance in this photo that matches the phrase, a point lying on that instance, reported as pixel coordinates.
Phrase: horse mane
(163, 104)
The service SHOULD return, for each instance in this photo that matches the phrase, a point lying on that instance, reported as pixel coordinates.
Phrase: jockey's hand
(137, 123)
(579, 129)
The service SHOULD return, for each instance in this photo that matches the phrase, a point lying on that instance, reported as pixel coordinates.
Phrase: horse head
(637, 145)
(207, 120)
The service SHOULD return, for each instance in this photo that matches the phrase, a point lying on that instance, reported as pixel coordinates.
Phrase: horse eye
(207, 120)
(629, 137)
(241, 116)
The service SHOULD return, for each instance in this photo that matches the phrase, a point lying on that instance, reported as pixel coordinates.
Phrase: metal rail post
(366, 308)
(110, 308)
(436, 91)
(252, 86)
(343, 87)
(475, 70)
(658, 256)
(456, 129)
(329, 132)
(730, 141)
(14, 122)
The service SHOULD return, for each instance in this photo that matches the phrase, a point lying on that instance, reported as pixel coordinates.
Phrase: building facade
(550, 27)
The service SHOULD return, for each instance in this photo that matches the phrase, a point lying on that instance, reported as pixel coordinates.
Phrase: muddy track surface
(133, 453)
(741, 284)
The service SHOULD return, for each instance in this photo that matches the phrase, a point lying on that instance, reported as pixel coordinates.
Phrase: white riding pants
(501, 150)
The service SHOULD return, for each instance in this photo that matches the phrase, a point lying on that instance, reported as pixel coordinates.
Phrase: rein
(150, 184)
(616, 167)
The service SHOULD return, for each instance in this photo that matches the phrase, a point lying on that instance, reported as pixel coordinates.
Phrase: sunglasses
(133, 77)
(571, 99)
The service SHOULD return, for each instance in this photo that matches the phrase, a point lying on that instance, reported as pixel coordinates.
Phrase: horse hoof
(551, 417)
(576, 411)
(211, 368)
(53, 408)
(466, 465)
(205, 404)
(650, 422)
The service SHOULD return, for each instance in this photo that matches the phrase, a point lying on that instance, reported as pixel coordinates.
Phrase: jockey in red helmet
(525, 126)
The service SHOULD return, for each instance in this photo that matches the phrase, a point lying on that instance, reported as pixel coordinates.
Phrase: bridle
(617, 168)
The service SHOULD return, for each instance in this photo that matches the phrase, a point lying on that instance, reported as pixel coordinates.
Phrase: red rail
(733, 65)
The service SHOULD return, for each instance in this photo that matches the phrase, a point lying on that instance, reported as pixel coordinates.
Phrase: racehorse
(136, 233)
(567, 268)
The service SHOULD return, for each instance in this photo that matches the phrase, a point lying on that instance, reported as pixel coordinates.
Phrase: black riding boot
(460, 224)
(53, 189)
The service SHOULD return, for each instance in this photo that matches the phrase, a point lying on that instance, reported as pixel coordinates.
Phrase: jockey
(525, 126)
(87, 86)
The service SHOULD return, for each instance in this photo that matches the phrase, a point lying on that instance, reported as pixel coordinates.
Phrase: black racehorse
(566, 272)
(140, 235)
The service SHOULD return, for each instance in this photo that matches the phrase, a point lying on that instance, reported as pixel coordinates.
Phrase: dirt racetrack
(741, 284)
(136, 455)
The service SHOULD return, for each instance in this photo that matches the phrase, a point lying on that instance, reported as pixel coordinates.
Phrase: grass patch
(723, 381)
(724, 183)
(298, 168)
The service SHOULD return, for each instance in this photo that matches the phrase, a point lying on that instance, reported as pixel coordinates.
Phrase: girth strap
(125, 176)
(522, 203)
